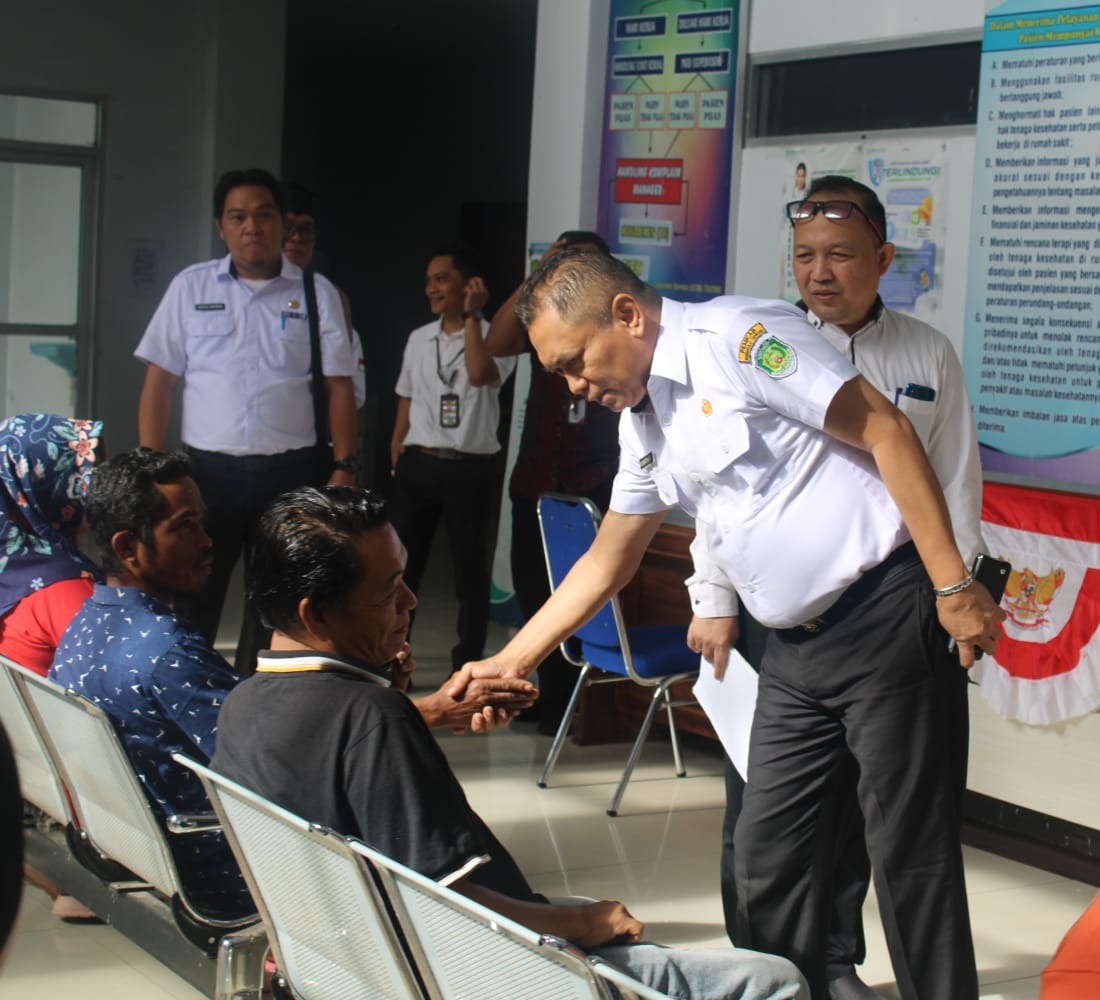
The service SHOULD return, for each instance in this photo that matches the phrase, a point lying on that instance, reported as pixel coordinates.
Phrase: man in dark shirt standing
(566, 446)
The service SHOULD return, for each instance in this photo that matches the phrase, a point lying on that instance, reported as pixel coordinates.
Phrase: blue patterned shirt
(162, 684)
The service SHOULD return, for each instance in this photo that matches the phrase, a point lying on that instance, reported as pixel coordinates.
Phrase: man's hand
(474, 295)
(483, 669)
(714, 637)
(972, 619)
(402, 670)
(607, 921)
(478, 701)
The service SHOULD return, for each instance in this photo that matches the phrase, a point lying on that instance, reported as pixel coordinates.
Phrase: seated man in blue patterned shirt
(154, 674)
(158, 678)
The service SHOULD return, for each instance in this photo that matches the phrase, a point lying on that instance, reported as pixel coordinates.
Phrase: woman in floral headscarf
(46, 462)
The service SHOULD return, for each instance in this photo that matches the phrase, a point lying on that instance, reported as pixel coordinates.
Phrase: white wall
(791, 25)
(188, 90)
(1051, 770)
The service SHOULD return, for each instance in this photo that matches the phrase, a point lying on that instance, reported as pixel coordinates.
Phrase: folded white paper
(730, 704)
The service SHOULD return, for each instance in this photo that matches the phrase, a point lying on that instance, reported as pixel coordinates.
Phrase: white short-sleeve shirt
(738, 392)
(434, 365)
(895, 350)
(243, 356)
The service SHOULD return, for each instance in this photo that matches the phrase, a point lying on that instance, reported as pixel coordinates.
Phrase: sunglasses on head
(804, 209)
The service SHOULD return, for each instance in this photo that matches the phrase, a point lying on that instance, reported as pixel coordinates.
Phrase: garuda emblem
(1028, 596)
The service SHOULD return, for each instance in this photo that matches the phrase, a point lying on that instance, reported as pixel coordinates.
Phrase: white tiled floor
(659, 856)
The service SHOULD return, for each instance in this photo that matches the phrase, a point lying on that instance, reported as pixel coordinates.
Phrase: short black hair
(579, 285)
(306, 547)
(573, 237)
(123, 496)
(466, 259)
(252, 177)
(861, 194)
(299, 199)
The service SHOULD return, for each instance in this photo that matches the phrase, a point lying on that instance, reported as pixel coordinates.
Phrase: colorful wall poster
(910, 181)
(667, 160)
(1032, 341)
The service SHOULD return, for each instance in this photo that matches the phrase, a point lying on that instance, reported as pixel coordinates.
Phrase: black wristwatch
(350, 464)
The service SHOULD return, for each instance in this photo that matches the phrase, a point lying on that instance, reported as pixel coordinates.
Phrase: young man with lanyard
(235, 330)
(826, 517)
(839, 255)
(445, 436)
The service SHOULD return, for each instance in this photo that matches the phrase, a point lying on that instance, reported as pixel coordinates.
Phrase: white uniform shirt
(243, 356)
(739, 389)
(435, 365)
(895, 349)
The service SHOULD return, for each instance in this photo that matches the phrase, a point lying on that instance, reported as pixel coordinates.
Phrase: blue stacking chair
(655, 656)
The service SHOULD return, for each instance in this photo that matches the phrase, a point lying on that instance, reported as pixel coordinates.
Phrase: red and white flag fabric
(1047, 667)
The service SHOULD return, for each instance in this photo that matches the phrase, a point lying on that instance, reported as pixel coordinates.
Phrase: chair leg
(674, 736)
(563, 729)
(636, 750)
(240, 968)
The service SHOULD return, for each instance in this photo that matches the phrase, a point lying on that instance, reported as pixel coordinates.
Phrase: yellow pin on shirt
(707, 408)
(292, 304)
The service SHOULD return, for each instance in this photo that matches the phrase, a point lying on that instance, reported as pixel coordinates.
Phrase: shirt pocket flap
(726, 439)
(212, 324)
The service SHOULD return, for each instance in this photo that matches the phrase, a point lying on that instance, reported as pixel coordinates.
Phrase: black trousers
(459, 491)
(846, 947)
(236, 491)
(876, 686)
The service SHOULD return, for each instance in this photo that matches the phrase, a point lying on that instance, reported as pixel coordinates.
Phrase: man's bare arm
(155, 406)
(342, 424)
(587, 926)
(400, 429)
(602, 571)
(507, 338)
(861, 416)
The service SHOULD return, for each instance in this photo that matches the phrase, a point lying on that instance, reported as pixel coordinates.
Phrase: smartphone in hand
(993, 575)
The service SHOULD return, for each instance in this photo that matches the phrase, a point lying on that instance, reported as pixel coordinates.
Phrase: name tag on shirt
(209, 306)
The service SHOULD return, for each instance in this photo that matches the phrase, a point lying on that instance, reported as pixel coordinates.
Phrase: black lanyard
(448, 381)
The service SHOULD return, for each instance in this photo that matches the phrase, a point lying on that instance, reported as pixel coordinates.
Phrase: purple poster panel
(668, 142)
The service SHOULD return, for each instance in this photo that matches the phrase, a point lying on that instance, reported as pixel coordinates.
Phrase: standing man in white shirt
(839, 254)
(445, 436)
(826, 517)
(235, 330)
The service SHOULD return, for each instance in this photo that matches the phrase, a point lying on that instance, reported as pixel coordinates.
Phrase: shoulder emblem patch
(752, 335)
(775, 358)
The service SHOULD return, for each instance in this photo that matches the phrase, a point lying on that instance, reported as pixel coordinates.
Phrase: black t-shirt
(338, 749)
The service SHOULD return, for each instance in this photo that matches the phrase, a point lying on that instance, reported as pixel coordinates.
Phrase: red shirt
(30, 632)
(557, 455)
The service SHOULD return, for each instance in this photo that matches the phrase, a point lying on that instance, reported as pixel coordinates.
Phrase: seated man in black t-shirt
(327, 576)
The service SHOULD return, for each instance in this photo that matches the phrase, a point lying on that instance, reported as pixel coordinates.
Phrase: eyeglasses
(801, 211)
(305, 231)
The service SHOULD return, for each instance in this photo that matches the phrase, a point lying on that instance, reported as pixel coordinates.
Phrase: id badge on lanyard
(450, 414)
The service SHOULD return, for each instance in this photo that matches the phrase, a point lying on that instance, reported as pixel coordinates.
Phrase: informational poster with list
(1032, 343)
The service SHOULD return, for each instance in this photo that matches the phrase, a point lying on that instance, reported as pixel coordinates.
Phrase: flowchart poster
(666, 168)
(1032, 342)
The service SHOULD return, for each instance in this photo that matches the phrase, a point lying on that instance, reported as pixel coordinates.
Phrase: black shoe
(852, 988)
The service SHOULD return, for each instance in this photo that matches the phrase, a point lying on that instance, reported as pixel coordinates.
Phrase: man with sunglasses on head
(826, 518)
(839, 255)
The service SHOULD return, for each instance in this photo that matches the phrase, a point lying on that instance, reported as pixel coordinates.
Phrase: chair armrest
(193, 822)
